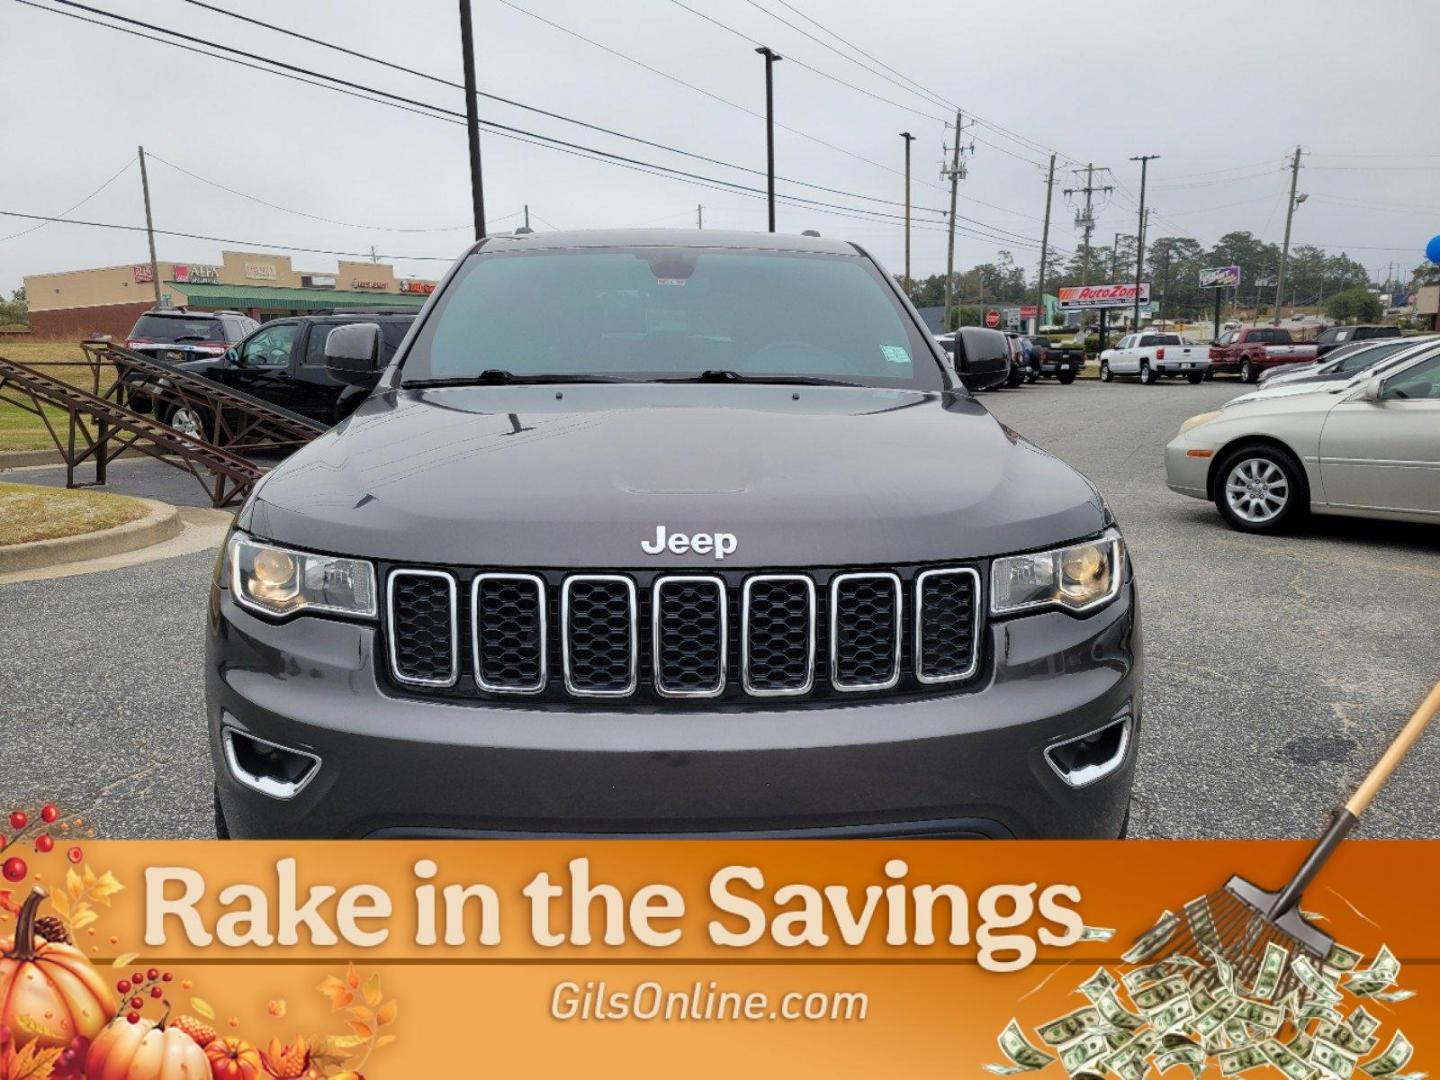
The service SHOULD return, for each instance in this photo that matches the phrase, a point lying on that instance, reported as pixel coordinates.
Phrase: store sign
(144, 273)
(197, 274)
(424, 288)
(260, 271)
(1028, 312)
(318, 281)
(370, 286)
(1089, 297)
(1220, 277)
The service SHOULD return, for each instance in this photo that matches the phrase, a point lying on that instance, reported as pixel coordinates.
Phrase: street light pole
(472, 119)
(770, 57)
(1144, 160)
(908, 140)
(149, 227)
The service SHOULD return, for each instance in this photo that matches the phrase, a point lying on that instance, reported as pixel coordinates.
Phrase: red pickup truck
(1251, 349)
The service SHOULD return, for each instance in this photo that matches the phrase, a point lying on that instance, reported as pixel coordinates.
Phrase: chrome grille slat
(867, 626)
(689, 635)
(947, 624)
(424, 637)
(600, 641)
(508, 634)
(772, 663)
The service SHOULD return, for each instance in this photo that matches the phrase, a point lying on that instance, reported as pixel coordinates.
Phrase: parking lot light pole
(770, 57)
(908, 140)
(472, 118)
(1144, 160)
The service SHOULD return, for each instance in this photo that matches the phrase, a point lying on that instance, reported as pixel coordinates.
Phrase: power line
(70, 209)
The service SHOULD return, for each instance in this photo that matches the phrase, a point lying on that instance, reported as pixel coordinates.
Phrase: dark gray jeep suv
(671, 533)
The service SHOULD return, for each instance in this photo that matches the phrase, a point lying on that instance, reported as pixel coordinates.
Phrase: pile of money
(1199, 1011)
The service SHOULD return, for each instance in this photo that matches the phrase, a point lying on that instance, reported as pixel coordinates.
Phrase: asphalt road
(1277, 668)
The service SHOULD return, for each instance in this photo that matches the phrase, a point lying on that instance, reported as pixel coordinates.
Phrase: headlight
(278, 581)
(1196, 421)
(1076, 578)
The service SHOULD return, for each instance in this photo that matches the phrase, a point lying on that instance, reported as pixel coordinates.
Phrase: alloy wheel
(1257, 490)
(186, 422)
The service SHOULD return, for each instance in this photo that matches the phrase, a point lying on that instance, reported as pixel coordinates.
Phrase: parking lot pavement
(134, 475)
(1276, 668)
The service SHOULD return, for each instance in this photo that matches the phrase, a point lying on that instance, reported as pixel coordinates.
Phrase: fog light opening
(269, 768)
(1088, 758)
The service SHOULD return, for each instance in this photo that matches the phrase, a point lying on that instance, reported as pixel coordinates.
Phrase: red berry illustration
(133, 1017)
(44, 844)
(166, 977)
(49, 814)
(123, 986)
(157, 992)
(152, 974)
(138, 978)
(74, 854)
(15, 869)
(19, 819)
(137, 1003)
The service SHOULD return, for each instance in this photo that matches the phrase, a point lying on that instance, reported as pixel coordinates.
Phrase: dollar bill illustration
(1102, 982)
(1097, 933)
(1173, 1015)
(1238, 1060)
(1272, 966)
(1191, 1056)
(1023, 1057)
(1069, 1027)
(1153, 940)
(1083, 1052)
(1396, 1056)
(1116, 1015)
(1334, 1059)
(1160, 994)
(1319, 987)
(1287, 1061)
(1342, 959)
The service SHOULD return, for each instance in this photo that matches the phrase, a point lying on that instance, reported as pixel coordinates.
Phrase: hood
(1293, 389)
(581, 475)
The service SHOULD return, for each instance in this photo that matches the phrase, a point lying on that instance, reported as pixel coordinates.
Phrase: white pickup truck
(1151, 355)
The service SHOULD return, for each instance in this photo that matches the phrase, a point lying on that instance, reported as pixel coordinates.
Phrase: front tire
(1247, 372)
(1147, 376)
(1105, 373)
(191, 421)
(1260, 489)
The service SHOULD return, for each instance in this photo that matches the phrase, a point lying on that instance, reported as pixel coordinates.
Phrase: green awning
(260, 296)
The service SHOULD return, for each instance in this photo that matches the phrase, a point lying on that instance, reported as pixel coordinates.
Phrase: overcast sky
(1222, 91)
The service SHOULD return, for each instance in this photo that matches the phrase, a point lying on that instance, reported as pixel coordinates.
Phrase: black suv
(1344, 335)
(178, 334)
(283, 362)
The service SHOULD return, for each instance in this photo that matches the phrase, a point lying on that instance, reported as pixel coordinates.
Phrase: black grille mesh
(947, 627)
(778, 637)
(690, 636)
(598, 636)
(424, 644)
(508, 621)
(865, 618)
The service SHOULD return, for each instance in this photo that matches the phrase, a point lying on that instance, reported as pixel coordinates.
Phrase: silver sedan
(1365, 448)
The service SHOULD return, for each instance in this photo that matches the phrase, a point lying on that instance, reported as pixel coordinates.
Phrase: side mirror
(232, 355)
(1370, 391)
(980, 362)
(352, 353)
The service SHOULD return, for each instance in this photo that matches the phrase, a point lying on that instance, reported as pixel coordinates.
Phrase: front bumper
(971, 763)
(1185, 472)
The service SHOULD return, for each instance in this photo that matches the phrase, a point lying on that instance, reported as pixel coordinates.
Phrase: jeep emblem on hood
(678, 543)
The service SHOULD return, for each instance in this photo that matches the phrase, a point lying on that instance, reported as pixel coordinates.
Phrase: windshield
(672, 313)
(177, 328)
(1362, 358)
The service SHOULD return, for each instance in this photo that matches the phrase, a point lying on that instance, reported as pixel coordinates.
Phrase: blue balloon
(1432, 249)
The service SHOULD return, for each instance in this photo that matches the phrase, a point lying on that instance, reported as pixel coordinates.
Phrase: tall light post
(1144, 160)
(472, 118)
(770, 57)
(908, 140)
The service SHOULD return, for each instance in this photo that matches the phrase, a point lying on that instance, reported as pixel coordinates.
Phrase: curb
(161, 523)
(20, 459)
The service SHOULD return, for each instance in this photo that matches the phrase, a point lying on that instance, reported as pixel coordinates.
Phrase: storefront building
(82, 303)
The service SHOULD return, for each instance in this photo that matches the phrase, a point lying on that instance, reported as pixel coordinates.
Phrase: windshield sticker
(896, 354)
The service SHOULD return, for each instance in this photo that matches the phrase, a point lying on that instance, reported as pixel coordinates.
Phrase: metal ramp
(100, 425)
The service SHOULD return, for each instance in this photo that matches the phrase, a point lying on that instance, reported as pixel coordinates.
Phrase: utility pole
(770, 57)
(149, 227)
(1289, 215)
(1044, 248)
(1144, 160)
(472, 118)
(954, 174)
(1164, 284)
(908, 140)
(1085, 219)
(527, 217)
(699, 216)
(1115, 257)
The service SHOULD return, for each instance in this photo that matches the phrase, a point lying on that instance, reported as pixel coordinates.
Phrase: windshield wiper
(500, 377)
(725, 375)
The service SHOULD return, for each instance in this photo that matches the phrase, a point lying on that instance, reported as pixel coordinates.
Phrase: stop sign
(992, 319)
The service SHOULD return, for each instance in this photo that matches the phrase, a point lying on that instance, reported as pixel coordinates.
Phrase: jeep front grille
(650, 636)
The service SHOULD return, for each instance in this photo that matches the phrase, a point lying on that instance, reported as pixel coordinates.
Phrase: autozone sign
(1074, 297)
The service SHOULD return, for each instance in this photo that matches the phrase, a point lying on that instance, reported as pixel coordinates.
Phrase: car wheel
(189, 421)
(1066, 378)
(222, 829)
(1259, 489)
(1032, 376)
(1105, 375)
(1247, 372)
(1147, 377)
(1196, 377)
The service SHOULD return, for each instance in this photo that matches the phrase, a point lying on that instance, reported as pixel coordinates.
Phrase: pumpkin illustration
(145, 1050)
(51, 985)
(233, 1059)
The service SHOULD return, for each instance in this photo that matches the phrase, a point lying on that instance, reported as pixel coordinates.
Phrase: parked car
(640, 586)
(1251, 349)
(1336, 336)
(1305, 386)
(178, 334)
(974, 347)
(283, 362)
(1338, 364)
(1369, 447)
(1053, 360)
(1155, 356)
(1020, 372)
